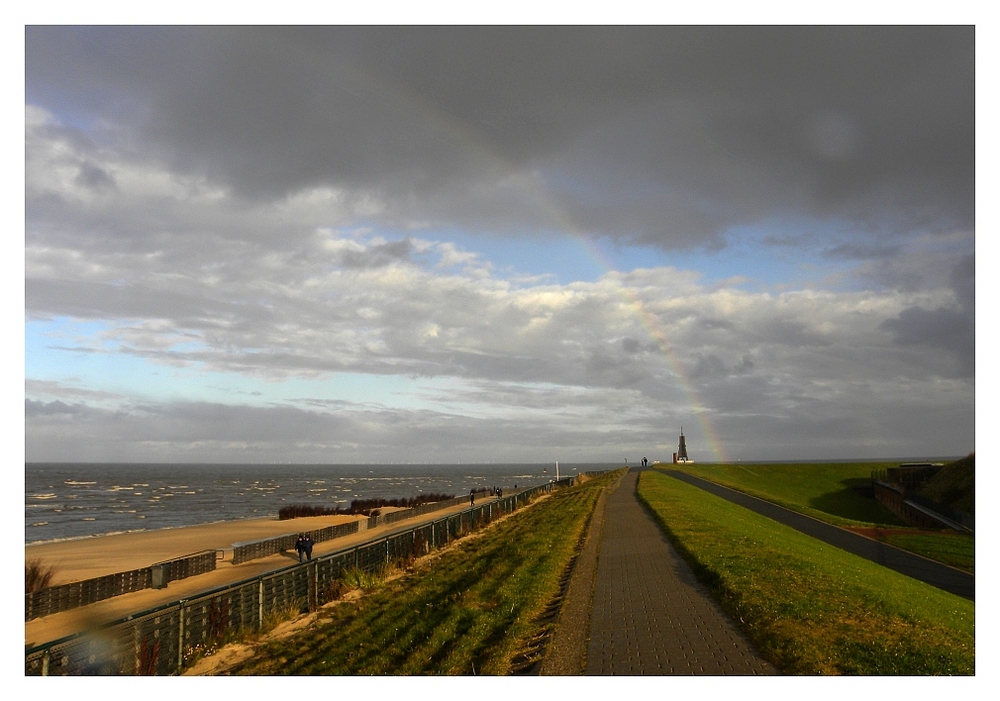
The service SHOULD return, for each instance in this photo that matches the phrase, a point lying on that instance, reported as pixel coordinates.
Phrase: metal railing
(253, 550)
(160, 640)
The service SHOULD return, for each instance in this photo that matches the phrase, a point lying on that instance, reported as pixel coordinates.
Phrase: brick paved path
(650, 615)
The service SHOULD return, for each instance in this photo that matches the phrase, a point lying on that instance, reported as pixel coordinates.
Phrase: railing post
(46, 656)
(260, 603)
(180, 636)
(315, 579)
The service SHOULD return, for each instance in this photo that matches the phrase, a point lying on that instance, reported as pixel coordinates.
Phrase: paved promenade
(650, 615)
(920, 568)
(65, 623)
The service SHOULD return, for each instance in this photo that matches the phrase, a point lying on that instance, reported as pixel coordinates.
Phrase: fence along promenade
(64, 597)
(158, 641)
(252, 550)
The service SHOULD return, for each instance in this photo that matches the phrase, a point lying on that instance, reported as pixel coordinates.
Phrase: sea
(79, 500)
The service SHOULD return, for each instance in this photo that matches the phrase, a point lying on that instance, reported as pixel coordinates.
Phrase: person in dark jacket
(307, 546)
(300, 547)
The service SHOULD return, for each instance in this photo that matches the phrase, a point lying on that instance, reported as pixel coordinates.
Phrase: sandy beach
(84, 558)
(100, 555)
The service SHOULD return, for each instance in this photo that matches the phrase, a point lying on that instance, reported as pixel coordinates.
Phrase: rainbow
(653, 327)
(451, 131)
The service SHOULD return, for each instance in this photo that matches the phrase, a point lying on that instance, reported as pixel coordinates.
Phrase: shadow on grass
(856, 502)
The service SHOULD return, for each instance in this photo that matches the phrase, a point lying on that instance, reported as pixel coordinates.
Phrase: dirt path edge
(567, 651)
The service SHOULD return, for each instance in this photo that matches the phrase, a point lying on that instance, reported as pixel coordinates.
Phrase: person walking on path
(300, 546)
(307, 546)
(472, 497)
(650, 615)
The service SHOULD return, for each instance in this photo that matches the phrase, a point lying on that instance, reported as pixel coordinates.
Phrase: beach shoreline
(75, 559)
(101, 555)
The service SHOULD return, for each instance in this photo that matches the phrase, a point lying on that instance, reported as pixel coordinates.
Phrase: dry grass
(37, 576)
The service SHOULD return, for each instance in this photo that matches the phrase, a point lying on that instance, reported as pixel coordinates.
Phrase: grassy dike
(809, 607)
(478, 608)
(824, 491)
(820, 490)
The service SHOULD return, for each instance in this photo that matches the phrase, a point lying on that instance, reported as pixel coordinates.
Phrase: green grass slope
(809, 607)
(823, 490)
(954, 485)
(829, 492)
(477, 609)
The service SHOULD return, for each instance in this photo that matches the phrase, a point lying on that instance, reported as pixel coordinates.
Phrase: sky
(358, 244)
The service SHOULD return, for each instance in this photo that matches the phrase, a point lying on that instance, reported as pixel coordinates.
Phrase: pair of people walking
(304, 547)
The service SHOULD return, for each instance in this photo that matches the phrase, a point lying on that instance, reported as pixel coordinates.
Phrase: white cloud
(276, 230)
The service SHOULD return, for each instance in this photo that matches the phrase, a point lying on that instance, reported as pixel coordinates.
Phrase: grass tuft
(37, 576)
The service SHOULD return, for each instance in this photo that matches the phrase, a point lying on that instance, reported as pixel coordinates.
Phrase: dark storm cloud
(33, 408)
(225, 433)
(666, 135)
(97, 301)
(95, 178)
(630, 345)
(949, 328)
(256, 204)
(859, 251)
(378, 256)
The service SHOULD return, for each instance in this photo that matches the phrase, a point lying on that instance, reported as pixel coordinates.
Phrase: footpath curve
(934, 573)
(650, 615)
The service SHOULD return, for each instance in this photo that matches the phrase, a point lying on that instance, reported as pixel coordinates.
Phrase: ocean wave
(222, 494)
(143, 530)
